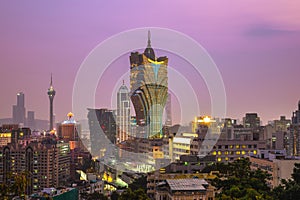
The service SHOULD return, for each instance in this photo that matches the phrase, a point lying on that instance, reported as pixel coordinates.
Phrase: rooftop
(187, 184)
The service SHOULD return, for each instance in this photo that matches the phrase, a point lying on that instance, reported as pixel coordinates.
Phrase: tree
(141, 182)
(114, 195)
(240, 182)
(134, 195)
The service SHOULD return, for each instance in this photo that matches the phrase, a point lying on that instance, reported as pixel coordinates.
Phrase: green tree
(240, 182)
(134, 195)
(141, 182)
(114, 195)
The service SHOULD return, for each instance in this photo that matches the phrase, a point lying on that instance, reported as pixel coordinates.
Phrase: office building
(123, 114)
(251, 120)
(294, 134)
(103, 119)
(231, 143)
(30, 120)
(19, 109)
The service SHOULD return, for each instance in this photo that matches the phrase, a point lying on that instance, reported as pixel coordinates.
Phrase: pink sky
(255, 45)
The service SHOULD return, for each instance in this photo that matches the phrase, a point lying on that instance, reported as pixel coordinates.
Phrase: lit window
(214, 153)
(237, 146)
(238, 153)
(219, 152)
(243, 152)
(254, 152)
(219, 159)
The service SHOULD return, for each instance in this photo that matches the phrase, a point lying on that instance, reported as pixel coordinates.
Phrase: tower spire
(149, 39)
(51, 80)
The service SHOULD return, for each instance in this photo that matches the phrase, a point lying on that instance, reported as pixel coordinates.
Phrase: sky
(255, 45)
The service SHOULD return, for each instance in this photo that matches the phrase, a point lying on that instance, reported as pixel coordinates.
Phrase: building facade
(149, 90)
(45, 164)
(19, 109)
(294, 134)
(123, 114)
(103, 119)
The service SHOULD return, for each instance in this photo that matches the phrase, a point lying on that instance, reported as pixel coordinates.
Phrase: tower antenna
(149, 39)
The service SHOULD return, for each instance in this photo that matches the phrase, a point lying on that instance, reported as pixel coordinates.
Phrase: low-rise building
(184, 189)
(156, 177)
(275, 163)
(56, 194)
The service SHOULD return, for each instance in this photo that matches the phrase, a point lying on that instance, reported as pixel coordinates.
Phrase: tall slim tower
(149, 89)
(123, 114)
(51, 94)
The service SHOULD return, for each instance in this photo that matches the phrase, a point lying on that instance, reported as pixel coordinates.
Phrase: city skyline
(255, 48)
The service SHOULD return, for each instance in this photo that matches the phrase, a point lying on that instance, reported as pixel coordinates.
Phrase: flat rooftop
(187, 184)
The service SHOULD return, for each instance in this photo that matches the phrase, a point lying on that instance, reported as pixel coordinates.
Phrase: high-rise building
(251, 120)
(104, 119)
(44, 164)
(282, 124)
(51, 93)
(294, 134)
(149, 89)
(30, 119)
(123, 114)
(19, 109)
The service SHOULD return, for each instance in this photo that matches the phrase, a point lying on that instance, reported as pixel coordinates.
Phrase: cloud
(267, 30)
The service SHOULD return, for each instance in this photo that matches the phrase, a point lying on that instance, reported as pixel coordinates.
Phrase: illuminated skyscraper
(123, 114)
(149, 89)
(51, 94)
(19, 109)
(294, 134)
